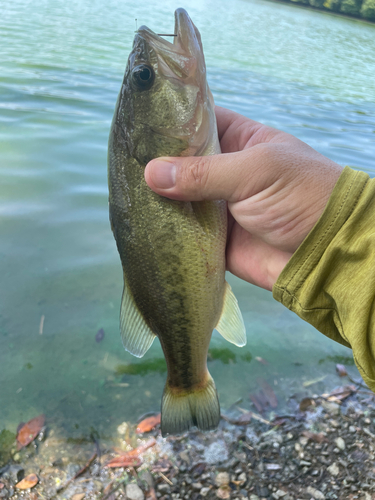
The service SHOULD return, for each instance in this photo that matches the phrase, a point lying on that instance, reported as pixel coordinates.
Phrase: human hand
(276, 187)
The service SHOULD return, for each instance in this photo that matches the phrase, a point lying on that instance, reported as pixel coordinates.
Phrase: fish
(172, 252)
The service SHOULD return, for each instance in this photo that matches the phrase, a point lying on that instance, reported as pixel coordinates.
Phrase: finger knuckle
(198, 172)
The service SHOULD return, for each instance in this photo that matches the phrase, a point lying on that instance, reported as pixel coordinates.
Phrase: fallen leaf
(318, 437)
(198, 468)
(29, 431)
(131, 458)
(314, 381)
(269, 393)
(148, 424)
(261, 360)
(258, 401)
(123, 461)
(20, 425)
(99, 335)
(244, 419)
(78, 496)
(28, 482)
(2, 486)
(306, 403)
(151, 495)
(343, 392)
(341, 370)
(162, 466)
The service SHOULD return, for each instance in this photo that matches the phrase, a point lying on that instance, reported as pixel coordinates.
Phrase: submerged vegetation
(362, 9)
(158, 365)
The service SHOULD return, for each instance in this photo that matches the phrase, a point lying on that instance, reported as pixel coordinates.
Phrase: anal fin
(136, 335)
(231, 325)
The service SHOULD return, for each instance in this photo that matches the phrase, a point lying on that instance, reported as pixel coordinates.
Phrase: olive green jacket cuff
(330, 279)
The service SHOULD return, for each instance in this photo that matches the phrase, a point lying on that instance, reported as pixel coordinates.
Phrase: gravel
(326, 452)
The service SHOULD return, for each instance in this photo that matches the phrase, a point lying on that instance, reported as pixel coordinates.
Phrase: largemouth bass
(172, 252)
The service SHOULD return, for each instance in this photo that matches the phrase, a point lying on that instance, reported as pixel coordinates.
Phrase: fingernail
(163, 174)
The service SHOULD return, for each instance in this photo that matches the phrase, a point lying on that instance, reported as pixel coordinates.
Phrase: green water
(61, 66)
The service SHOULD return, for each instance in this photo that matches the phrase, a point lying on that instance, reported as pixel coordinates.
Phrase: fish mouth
(186, 37)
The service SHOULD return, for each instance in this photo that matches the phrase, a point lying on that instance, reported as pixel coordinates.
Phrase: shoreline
(324, 11)
(323, 447)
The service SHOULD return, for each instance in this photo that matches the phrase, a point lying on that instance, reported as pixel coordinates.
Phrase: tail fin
(182, 409)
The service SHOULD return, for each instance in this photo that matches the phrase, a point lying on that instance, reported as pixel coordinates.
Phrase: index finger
(237, 132)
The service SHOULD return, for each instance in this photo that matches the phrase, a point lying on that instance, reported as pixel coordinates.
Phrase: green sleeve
(330, 279)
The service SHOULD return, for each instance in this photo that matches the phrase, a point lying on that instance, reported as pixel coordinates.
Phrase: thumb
(196, 178)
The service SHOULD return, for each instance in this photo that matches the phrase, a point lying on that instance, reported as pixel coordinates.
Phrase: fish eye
(143, 76)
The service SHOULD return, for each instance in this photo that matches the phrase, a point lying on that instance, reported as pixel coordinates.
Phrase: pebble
(223, 492)
(204, 491)
(197, 486)
(264, 492)
(134, 492)
(185, 457)
(222, 479)
(242, 477)
(122, 428)
(331, 408)
(352, 429)
(340, 443)
(279, 494)
(254, 497)
(318, 495)
(334, 469)
(163, 488)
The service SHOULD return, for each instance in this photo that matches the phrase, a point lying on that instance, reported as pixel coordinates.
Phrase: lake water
(61, 67)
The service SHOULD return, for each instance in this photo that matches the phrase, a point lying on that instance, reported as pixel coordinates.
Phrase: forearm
(330, 280)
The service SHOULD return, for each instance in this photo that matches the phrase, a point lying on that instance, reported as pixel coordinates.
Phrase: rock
(279, 494)
(134, 492)
(340, 443)
(222, 479)
(4, 493)
(185, 457)
(122, 428)
(223, 492)
(242, 477)
(164, 488)
(365, 496)
(264, 492)
(197, 486)
(352, 429)
(204, 491)
(303, 441)
(14, 472)
(216, 452)
(254, 497)
(334, 469)
(331, 408)
(318, 495)
(146, 476)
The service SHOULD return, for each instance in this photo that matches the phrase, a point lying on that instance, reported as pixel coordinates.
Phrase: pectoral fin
(231, 325)
(135, 333)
